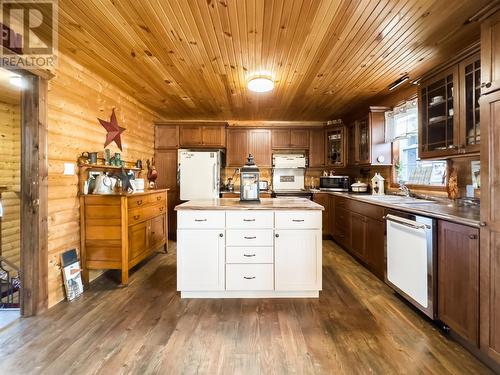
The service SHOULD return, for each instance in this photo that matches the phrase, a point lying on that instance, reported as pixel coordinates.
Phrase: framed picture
(72, 274)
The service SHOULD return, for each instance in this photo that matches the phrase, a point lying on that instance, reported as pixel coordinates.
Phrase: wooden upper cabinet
(317, 148)
(237, 147)
(470, 81)
(259, 145)
(281, 138)
(214, 136)
(369, 146)
(191, 135)
(336, 146)
(458, 281)
(490, 54)
(202, 135)
(290, 138)
(166, 136)
(299, 138)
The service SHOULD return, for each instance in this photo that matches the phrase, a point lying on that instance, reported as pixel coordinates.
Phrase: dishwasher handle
(408, 223)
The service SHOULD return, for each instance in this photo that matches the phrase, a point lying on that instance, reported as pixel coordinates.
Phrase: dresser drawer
(138, 201)
(249, 254)
(157, 198)
(201, 219)
(249, 237)
(249, 277)
(249, 219)
(298, 219)
(140, 214)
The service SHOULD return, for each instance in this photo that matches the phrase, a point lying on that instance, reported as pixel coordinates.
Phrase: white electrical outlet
(69, 169)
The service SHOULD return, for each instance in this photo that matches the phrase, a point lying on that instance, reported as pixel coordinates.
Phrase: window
(402, 129)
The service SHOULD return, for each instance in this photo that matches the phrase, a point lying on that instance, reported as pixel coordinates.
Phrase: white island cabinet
(226, 249)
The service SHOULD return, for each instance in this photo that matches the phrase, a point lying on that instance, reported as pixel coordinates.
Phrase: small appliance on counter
(359, 187)
(249, 181)
(334, 183)
(289, 176)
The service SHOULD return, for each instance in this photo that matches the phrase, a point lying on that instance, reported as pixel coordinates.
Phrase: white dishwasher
(411, 259)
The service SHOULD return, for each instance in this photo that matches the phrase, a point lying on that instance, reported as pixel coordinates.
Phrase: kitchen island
(230, 249)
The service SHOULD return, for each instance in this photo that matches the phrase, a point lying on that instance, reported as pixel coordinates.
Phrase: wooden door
(173, 200)
(358, 235)
(299, 138)
(166, 136)
(297, 260)
(214, 136)
(323, 199)
(259, 145)
(166, 165)
(237, 147)
(490, 231)
(158, 231)
(280, 138)
(138, 240)
(317, 148)
(200, 260)
(490, 54)
(470, 91)
(458, 279)
(191, 135)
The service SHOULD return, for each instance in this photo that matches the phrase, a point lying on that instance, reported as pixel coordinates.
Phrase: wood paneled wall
(76, 98)
(10, 154)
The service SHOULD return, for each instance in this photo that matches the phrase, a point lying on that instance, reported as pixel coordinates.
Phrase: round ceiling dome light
(260, 84)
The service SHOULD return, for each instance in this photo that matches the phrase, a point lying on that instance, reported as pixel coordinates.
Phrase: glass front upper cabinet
(470, 131)
(335, 138)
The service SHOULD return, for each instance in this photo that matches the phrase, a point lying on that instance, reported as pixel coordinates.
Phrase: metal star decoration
(113, 130)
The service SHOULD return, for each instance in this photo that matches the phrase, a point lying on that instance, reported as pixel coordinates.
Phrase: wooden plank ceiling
(191, 59)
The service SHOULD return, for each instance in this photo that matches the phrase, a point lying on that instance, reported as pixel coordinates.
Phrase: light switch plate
(69, 169)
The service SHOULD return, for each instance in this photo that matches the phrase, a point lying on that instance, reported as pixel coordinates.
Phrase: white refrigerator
(199, 174)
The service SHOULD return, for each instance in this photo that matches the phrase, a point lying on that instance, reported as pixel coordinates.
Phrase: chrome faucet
(404, 189)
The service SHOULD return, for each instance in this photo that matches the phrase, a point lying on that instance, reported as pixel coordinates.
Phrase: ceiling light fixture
(398, 82)
(260, 84)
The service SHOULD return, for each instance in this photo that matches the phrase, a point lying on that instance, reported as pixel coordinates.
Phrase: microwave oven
(334, 183)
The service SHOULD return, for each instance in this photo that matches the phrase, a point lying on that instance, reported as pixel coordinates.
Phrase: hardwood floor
(357, 326)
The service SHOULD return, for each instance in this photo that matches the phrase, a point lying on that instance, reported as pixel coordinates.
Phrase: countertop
(265, 204)
(441, 209)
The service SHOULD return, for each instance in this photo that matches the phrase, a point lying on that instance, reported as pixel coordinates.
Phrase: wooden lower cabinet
(458, 279)
(119, 231)
(360, 229)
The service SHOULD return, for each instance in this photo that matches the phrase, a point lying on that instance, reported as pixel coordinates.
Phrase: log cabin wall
(10, 154)
(76, 98)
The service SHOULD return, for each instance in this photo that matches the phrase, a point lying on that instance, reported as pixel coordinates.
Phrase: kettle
(104, 184)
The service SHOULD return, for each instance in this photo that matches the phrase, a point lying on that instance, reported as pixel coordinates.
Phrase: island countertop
(264, 204)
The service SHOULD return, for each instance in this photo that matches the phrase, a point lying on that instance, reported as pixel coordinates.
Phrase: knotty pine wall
(76, 98)
(10, 154)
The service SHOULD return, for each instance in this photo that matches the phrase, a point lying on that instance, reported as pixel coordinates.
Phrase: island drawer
(201, 219)
(249, 254)
(298, 219)
(249, 219)
(249, 277)
(249, 237)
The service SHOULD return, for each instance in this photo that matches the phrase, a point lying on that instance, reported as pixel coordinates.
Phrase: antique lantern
(249, 181)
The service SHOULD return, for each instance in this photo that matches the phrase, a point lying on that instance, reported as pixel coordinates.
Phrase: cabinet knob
(276, 235)
(486, 84)
(482, 224)
(221, 235)
(473, 236)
